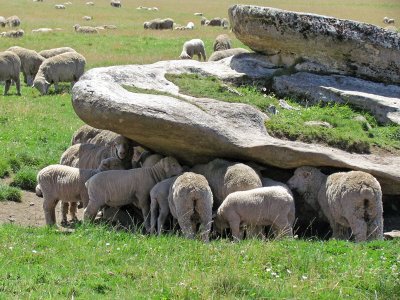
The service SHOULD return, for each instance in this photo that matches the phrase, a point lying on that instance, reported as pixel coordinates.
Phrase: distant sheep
(10, 66)
(59, 6)
(218, 55)
(65, 67)
(90, 3)
(386, 20)
(159, 24)
(110, 27)
(347, 199)
(55, 51)
(30, 62)
(13, 21)
(13, 33)
(87, 18)
(215, 22)
(42, 30)
(193, 47)
(190, 26)
(115, 3)
(222, 42)
(3, 22)
(190, 201)
(198, 14)
(204, 21)
(85, 29)
(225, 23)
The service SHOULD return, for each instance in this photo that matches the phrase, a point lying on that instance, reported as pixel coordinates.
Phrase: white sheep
(59, 6)
(88, 156)
(30, 62)
(85, 29)
(118, 188)
(159, 24)
(66, 184)
(42, 30)
(204, 21)
(13, 33)
(386, 20)
(87, 18)
(347, 199)
(218, 55)
(257, 207)
(190, 201)
(3, 21)
(225, 177)
(222, 42)
(198, 14)
(13, 21)
(115, 3)
(193, 47)
(65, 67)
(112, 27)
(10, 66)
(190, 26)
(90, 3)
(55, 51)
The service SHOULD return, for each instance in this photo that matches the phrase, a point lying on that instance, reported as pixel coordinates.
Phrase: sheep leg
(255, 231)
(203, 53)
(375, 229)
(359, 229)
(7, 86)
(153, 216)
(18, 85)
(73, 208)
(199, 56)
(164, 211)
(25, 77)
(186, 225)
(91, 209)
(205, 213)
(49, 208)
(64, 212)
(146, 216)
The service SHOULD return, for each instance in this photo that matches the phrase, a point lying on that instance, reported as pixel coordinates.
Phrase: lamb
(192, 47)
(222, 42)
(65, 67)
(225, 177)
(117, 188)
(85, 29)
(115, 3)
(30, 62)
(55, 51)
(58, 182)
(59, 6)
(10, 65)
(159, 24)
(257, 207)
(190, 201)
(88, 156)
(218, 55)
(13, 33)
(215, 22)
(3, 21)
(347, 199)
(13, 21)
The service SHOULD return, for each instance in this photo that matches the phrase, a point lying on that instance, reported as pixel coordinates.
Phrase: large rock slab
(334, 45)
(383, 101)
(197, 130)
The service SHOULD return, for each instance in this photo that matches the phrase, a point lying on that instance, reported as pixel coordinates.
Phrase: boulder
(196, 130)
(326, 43)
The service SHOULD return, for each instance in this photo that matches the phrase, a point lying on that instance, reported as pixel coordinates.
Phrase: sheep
(190, 201)
(198, 14)
(347, 199)
(84, 134)
(30, 62)
(257, 207)
(222, 42)
(90, 3)
(226, 177)
(117, 188)
(59, 6)
(42, 30)
(225, 23)
(87, 18)
(65, 67)
(88, 156)
(115, 3)
(386, 20)
(3, 21)
(13, 33)
(203, 21)
(55, 51)
(218, 55)
(215, 22)
(10, 65)
(85, 29)
(190, 25)
(13, 21)
(58, 182)
(159, 24)
(192, 47)
(110, 27)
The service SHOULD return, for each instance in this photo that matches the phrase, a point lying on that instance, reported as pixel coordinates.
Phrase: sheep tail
(38, 191)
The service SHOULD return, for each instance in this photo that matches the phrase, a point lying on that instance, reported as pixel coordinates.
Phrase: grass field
(98, 262)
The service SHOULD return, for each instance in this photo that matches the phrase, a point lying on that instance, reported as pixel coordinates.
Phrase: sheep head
(121, 146)
(171, 166)
(184, 55)
(111, 163)
(42, 85)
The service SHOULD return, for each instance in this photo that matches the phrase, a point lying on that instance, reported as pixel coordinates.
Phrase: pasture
(102, 262)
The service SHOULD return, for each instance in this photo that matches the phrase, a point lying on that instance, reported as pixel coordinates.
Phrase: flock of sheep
(105, 171)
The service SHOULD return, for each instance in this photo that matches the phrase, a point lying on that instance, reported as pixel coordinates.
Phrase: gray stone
(383, 101)
(285, 105)
(196, 130)
(341, 46)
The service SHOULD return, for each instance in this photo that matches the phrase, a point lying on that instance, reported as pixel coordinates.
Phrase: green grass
(8, 193)
(25, 178)
(346, 134)
(95, 262)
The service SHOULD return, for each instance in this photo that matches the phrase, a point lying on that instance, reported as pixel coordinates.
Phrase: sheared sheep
(85, 29)
(257, 207)
(13, 33)
(159, 24)
(192, 47)
(58, 182)
(10, 65)
(222, 42)
(55, 51)
(88, 156)
(13, 21)
(59, 6)
(117, 188)
(347, 199)
(218, 55)
(225, 177)
(159, 207)
(3, 21)
(115, 3)
(30, 62)
(65, 67)
(190, 201)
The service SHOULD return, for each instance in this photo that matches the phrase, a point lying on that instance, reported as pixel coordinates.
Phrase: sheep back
(222, 42)
(55, 51)
(10, 65)
(221, 54)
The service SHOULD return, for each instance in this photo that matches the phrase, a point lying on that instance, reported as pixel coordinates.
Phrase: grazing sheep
(218, 55)
(159, 207)
(190, 26)
(10, 65)
(13, 21)
(159, 24)
(215, 22)
(257, 207)
(204, 21)
(110, 27)
(115, 3)
(192, 47)
(117, 188)
(347, 199)
(88, 156)
(85, 29)
(226, 177)
(59, 6)
(30, 62)
(90, 3)
(198, 14)
(190, 201)
(3, 21)
(65, 67)
(55, 51)
(42, 30)
(87, 18)
(222, 42)
(13, 33)
(58, 182)
(386, 20)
